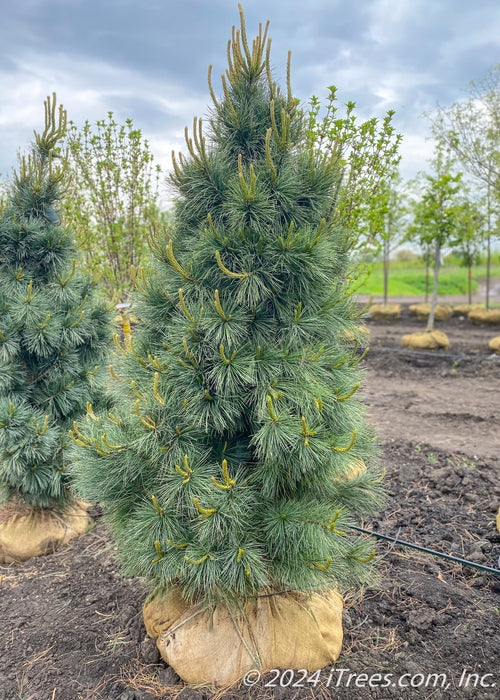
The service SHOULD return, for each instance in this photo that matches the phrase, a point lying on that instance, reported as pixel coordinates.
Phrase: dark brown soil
(71, 626)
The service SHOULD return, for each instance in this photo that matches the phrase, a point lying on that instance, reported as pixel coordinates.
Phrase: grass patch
(405, 280)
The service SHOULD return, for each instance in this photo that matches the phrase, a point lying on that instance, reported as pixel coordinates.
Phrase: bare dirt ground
(71, 626)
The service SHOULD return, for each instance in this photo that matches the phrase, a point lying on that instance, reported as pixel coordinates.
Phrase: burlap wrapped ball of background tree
(385, 312)
(465, 309)
(422, 311)
(427, 340)
(32, 532)
(484, 317)
(494, 345)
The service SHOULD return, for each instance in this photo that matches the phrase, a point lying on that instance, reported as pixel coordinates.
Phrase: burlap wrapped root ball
(218, 646)
(385, 312)
(494, 345)
(465, 309)
(32, 532)
(422, 311)
(427, 340)
(480, 318)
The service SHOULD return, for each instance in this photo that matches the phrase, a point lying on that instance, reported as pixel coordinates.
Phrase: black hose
(448, 557)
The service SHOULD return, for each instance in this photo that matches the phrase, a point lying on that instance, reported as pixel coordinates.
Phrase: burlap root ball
(428, 340)
(422, 311)
(494, 344)
(385, 312)
(465, 309)
(31, 532)
(484, 318)
(218, 647)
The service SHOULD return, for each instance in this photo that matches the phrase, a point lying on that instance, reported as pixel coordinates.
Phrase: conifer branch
(114, 375)
(91, 414)
(319, 403)
(79, 308)
(196, 562)
(175, 264)
(159, 552)
(140, 285)
(186, 472)
(234, 275)
(155, 390)
(210, 87)
(204, 512)
(79, 320)
(45, 427)
(331, 524)
(137, 392)
(116, 340)
(272, 168)
(350, 393)
(30, 296)
(62, 282)
(159, 510)
(185, 309)
(111, 447)
(349, 446)
(228, 100)
(324, 567)
(366, 560)
(229, 483)
(270, 408)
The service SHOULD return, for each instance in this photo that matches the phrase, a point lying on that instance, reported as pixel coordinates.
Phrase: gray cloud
(149, 60)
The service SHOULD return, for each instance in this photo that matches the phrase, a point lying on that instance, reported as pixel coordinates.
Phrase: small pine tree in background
(238, 452)
(53, 333)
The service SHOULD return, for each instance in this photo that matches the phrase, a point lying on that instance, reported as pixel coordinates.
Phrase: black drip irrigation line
(435, 353)
(448, 557)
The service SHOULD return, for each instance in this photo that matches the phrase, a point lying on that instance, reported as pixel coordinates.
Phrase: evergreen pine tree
(53, 332)
(237, 452)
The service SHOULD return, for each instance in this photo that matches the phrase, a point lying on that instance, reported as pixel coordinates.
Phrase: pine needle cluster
(53, 334)
(225, 465)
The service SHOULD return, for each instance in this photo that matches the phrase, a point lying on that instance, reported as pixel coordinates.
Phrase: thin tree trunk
(488, 247)
(488, 267)
(426, 281)
(430, 323)
(470, 284)
(386, 270)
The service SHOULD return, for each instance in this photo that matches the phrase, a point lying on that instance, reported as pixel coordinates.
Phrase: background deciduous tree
(435, 211)
(112, 198)
(471, 130)
(368, 153)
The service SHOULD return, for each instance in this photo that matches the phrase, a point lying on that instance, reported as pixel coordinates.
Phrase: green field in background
(405, 280)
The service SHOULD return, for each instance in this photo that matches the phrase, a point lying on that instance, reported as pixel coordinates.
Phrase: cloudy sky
(148, 60)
